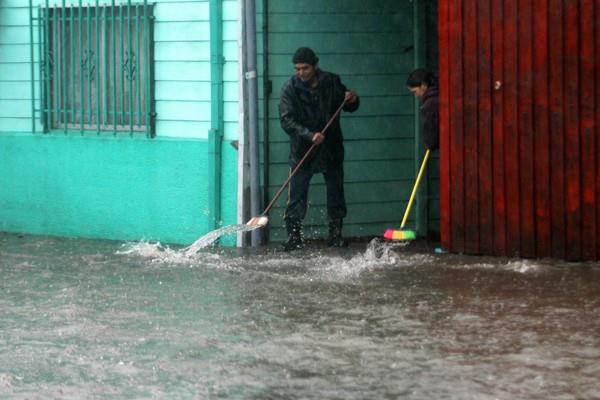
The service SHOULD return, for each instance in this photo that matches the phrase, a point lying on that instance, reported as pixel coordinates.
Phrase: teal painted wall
(120, 187)
(370, 44)
(102, 187)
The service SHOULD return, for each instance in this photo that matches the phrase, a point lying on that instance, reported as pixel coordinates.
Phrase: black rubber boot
(335, 238)
(294, 231)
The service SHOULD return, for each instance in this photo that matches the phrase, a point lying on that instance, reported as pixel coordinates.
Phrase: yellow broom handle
(414, 191)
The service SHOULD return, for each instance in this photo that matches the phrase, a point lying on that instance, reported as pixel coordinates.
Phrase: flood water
(109, 320)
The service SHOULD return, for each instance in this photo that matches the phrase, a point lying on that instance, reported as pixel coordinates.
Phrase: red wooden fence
(520, 127)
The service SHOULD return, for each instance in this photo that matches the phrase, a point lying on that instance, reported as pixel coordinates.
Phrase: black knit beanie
(305, 55)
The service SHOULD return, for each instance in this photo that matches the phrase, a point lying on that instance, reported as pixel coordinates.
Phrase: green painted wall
(120, 187)
(370, 43)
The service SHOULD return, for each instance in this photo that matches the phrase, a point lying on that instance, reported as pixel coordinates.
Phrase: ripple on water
(316, 263)
(86, 319)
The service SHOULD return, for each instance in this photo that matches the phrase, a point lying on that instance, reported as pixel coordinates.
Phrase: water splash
(212, 236)
(155, 252)
(322, 266)
(142, 249)
(382, 251)
(377, 255)
(523, 266)
(160, 253)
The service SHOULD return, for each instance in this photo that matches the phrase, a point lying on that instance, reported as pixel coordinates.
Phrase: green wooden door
(370, 44)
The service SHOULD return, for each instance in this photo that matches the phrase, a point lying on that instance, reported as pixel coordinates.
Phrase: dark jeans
(298, 194)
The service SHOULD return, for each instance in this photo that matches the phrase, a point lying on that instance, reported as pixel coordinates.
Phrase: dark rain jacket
(303, 112)
(430, 118)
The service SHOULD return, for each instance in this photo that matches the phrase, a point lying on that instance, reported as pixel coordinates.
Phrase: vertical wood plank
(470, 100)
(444, 68)
(572, 142)
(486, 225)
(541, 128)
(511, 139)
(525, 128)
(588, 141)
(498, 126)
(597, 118)
(557, 176)
(457, 206)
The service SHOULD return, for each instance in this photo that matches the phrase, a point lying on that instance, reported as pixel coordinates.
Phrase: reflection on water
(93, 319)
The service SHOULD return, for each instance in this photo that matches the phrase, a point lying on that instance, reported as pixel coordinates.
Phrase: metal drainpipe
(243, 185)
(31, 65)
(215, 135)
(421, 223)
(251, 77)
(267, 89)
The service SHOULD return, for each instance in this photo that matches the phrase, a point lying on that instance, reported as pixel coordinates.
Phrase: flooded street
(98, 319)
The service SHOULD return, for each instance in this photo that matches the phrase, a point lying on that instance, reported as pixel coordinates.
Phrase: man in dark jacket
(308, 100)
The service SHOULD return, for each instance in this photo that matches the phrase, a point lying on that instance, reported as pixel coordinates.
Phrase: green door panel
(370, 44)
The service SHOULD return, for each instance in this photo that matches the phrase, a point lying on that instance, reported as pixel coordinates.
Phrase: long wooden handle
(289, 178)
(414, 191)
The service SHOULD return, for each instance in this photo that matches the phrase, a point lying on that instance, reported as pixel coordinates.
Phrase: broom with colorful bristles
(406, 234)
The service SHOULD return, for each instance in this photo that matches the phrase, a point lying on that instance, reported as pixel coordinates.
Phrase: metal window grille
(97, 67)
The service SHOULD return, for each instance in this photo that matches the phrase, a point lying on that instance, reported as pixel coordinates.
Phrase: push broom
(262, 219)
(406, 234)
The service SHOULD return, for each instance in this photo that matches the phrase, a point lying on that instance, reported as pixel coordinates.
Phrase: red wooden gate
(520, 127)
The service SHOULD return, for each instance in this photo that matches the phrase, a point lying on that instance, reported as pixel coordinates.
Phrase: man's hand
(350, 97)
(318, 138)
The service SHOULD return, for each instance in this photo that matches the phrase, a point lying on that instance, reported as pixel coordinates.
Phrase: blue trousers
(298, 194)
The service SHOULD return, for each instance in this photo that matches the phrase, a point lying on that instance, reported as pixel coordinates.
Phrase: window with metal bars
(97, 68)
